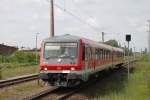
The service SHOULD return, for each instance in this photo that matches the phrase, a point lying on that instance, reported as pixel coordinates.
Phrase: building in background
(7, 50)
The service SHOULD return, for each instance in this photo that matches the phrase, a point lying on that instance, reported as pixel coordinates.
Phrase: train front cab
(59, 73)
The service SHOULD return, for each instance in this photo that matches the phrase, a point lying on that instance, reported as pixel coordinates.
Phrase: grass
(14, 65)
(19, 91)
(137, 87)
(18, 70)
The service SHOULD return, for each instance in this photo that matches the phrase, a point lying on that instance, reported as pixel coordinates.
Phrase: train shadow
(108, 83)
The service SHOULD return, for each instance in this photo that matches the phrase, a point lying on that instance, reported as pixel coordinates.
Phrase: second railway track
(17, 80)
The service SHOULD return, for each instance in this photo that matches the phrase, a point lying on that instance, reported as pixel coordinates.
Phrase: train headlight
(45, 69)
(72, 68)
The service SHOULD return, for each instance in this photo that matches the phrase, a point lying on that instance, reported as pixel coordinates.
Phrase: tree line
(115, 43)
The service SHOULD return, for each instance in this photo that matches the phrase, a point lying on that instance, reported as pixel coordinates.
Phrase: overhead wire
(82, 10)
(77, 17)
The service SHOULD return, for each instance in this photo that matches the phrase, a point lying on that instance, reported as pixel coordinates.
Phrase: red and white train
(69, 60)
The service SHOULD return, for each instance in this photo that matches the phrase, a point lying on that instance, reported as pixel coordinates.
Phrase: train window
(104, 54)
(86, 53)
(67, 52)
(96, 54)
(97, 50)
(101, 51)
(99, 54)
(91, 53)
(108, 54)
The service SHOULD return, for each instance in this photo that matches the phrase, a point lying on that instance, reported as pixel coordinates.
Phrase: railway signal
(128, 39)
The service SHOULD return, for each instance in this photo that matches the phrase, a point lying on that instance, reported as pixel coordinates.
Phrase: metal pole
(128, 60)
(103, 37)
(36, 40)
(124, 52)
(51, 13)
(134, 53)
(149, 41)
(141, 52)
(0, 73)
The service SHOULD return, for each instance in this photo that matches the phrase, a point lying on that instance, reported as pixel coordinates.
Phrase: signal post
(128, 39)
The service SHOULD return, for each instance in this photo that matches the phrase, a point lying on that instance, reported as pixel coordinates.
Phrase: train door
(86, 65)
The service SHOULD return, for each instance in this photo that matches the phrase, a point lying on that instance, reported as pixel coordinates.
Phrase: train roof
(71, 38)
(62, 38)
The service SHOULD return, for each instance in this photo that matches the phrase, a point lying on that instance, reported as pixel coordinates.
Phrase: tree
(113, 43)
(145, 51)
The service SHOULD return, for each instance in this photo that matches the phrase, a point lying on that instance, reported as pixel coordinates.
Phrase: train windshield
(60, 53)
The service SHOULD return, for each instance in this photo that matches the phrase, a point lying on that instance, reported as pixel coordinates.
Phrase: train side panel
(98, 59)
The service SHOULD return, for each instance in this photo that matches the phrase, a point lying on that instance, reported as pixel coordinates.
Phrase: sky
(20, 20)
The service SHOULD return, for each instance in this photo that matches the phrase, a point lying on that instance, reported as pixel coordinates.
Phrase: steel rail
(41, 94)
(17, 80)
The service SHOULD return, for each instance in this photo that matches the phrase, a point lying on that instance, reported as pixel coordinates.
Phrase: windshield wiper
(49, 57)
(66, 56)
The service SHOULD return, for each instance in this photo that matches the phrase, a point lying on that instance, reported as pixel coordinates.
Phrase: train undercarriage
(61, 79)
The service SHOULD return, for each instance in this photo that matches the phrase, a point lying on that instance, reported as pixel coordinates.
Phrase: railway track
(54, 93)
(17, 80)
(63, 93)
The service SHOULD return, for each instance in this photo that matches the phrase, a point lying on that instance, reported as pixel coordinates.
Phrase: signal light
(128, 37)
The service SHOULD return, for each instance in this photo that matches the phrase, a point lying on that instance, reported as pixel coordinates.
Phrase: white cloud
(92, 21)
(23, 18)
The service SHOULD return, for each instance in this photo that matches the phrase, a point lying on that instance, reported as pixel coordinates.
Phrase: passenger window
(101, 56)
(86, 53)
(91, 53)
(96, 52)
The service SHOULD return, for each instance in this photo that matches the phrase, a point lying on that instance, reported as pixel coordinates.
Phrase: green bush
(20, 57)
(144, 57)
